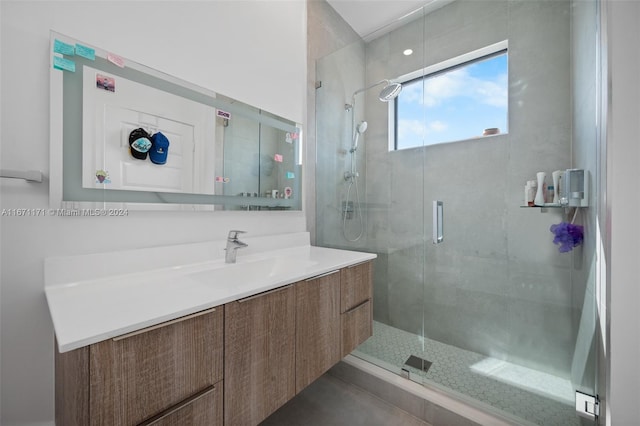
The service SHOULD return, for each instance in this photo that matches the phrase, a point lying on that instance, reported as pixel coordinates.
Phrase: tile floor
(331, 402)
(517, 392)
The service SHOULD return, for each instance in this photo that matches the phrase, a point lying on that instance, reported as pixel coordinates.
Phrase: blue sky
(455, 105)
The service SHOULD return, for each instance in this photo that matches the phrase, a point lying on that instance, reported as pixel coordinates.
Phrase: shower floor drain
(419, 363)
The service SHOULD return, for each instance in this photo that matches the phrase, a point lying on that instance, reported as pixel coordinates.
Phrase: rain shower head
(390, 92)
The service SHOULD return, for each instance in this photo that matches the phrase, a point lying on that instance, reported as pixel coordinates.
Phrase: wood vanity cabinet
(355, 285)
(279, 342)
(259, 364)
(356, 307)
(163, 375)
(274, 344)
(317, 327)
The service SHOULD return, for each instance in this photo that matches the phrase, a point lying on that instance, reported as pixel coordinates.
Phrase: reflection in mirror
(125, 135)
(113, 108)
(271, 160)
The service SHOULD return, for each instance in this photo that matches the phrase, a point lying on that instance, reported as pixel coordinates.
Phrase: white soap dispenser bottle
(557, 176)
(539, 200)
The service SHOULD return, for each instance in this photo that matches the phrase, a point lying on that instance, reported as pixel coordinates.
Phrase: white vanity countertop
(121, 298)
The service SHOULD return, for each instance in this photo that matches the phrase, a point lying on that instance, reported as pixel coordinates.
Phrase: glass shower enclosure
(471, 295)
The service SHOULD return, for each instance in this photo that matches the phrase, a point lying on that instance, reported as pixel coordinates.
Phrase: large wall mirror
(125, 135)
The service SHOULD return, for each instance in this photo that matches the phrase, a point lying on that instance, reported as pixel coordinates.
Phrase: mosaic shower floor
(533, 397)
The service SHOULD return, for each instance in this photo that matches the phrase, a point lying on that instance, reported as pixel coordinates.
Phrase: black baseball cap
(139, 143)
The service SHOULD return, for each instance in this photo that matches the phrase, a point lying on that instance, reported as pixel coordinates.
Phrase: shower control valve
(350, 175)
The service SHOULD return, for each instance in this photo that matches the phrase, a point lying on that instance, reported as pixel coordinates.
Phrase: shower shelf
(568, 210)
(551, 206)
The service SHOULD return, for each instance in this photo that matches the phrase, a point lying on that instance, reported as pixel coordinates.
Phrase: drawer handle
(180, 405)
(163, 324)
(357, 306)
(323, 275)
(264, 293)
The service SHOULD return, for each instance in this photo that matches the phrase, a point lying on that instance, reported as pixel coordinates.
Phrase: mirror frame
(147, 200)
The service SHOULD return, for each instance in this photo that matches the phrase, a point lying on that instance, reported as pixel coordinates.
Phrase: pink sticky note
(115, 59)
(278, 158)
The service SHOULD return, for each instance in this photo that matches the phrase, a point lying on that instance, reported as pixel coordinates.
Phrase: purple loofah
(567, 236)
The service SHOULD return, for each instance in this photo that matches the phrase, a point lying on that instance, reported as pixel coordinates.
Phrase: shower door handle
(438, 233)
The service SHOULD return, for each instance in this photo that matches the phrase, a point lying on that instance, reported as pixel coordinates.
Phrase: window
(455, 100)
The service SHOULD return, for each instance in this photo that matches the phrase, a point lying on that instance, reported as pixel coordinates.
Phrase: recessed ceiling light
(408, 52)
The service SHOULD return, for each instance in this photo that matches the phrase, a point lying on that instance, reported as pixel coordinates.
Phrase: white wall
(623, 202)
(254, 51)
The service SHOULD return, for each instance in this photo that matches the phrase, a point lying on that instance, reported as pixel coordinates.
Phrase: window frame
(447, 65)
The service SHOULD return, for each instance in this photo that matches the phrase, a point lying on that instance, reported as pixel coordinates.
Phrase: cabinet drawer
(317, 327)
(202, 409)
(355, 285)
(136, 376)
(357, 326)
(259, 368)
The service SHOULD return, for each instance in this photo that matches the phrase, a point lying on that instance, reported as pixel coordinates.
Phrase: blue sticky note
(63, 48)
(291, 175)
(85, 52)
(63, 64)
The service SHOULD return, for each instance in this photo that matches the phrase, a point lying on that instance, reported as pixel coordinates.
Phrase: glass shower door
(510, 322)
(492, 313)
(369, 198)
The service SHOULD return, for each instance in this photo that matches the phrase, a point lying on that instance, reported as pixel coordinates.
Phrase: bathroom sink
(98, 296)
(250, 271)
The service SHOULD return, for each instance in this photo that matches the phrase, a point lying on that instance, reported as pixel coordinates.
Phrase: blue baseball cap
(159, 148)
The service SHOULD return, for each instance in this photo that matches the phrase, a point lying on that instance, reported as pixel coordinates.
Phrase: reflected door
(111, 112)
(127, 172)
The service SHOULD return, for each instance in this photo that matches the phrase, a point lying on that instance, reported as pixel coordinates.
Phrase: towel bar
(29, 175)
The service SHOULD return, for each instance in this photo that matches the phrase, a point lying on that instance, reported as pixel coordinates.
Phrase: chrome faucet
(233, 244)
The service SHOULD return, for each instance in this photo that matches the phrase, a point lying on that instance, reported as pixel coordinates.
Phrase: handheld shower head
(360, 129)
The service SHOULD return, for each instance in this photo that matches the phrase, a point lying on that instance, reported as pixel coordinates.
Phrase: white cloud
(411, 128)
(412, 93)
(458, 83)
(445, 86)
(438, 126)
(492, 93)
